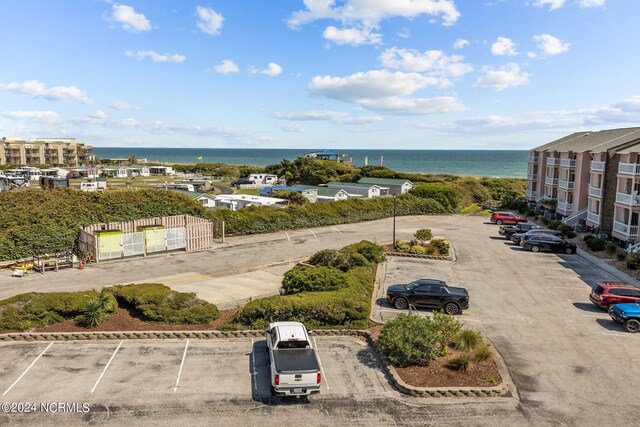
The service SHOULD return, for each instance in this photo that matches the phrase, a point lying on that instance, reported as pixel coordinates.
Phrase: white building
(263, 178)
(161, 170)
(115, 171)
(389, 185)
(239, 201)
(354, 189)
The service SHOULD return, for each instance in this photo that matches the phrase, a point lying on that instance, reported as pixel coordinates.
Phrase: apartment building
(591, 177)
(45, 151)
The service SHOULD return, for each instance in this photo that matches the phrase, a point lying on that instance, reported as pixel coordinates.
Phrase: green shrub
(633, 260)
(621, 254)
(482, 352)
(372, 252)
(460, 363)
(553, 225)
(545, 220)
(570, 234)
(529, 212)
(312, 279)
(588, 237)
(564, 229)
(409, 341)
(473, 208)
(341, 260)
(417, 250)
(611, 248)
(423, 234)
(431, 250)
(403, 246)
(596, 244)
(159, 303)
(488, 378)
(441, 245)
(467, 340)
(446, 327)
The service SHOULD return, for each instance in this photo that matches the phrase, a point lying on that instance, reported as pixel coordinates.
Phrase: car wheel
(632, 325)
(568, 250)
(451, 308)
(535, 248)
(499, 222)
(401, 303)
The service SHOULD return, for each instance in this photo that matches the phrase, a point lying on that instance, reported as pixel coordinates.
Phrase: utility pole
(394, 221)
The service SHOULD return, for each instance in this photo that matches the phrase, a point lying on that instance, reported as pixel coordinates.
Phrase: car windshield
(411, 286)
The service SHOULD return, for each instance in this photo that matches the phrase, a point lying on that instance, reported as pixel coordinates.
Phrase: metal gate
(109, 247)
(132, 244)
(176, 238)
(155, 240)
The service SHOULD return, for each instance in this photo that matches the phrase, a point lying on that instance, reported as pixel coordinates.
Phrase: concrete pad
(15, 359)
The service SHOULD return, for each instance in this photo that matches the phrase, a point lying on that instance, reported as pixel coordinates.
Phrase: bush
(158, 303)
(372, 252)
(424, 234)
(488, 378)
(467, 340)
(545, 220)
(529, 212)
(341, 260)
(402, 246)
(564, 229)
(633, 260)
(481, 353)
(460, 363)
(611, 248)
(588, 237)
(621, 254)
(417, 250)
(312, 279)
(441, 245)
(446, 327)
(596, 244)
(98, 309)
(409, 341)
(553, 225)
(570, 235)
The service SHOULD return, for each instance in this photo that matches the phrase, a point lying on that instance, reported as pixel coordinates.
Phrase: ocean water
(503, 163)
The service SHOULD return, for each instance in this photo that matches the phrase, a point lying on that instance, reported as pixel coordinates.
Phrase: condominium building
(45, 151)
(591, 176)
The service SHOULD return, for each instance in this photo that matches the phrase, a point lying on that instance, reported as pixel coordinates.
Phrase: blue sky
(406, 74)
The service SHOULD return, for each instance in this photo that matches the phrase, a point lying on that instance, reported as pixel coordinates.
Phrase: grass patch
(467, 340)
(462, 362)
(472, 209)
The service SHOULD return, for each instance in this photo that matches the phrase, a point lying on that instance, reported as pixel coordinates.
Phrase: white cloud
(353, 36)
(405, 33)
(337, 117)
(414, 106)
(532, 55)
(155, 56)
(460, 43)
(553, 4)
(98, 114)
(47, 117)
(272, 70)
(591, 3)
(117, 104)
(373, 11)
(129, 19)
(209, 21)
(37, 89)
(435, 62)
(502, 77)
(504, 46)
(226, 67)
(291, 128)
(550, 45)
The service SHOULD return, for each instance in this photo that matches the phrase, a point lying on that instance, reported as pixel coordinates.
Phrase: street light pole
(394, 221)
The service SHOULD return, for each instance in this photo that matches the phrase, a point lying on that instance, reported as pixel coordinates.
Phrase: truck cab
(295, 369)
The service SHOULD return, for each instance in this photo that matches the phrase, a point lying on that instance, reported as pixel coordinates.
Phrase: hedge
(302, 278)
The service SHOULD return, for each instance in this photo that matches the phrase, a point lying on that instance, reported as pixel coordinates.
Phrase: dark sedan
(429, 293)
(547, 242)
(519, 238)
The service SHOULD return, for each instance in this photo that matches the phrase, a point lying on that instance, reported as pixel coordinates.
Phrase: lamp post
(394, 221)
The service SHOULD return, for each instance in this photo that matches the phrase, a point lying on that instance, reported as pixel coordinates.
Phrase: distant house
(161, 170)
(137, 170)
(368, 191)
(309, 192)
(239, 201)
(331, 194)
(389, 185)
(206, 200)
(115, 171)
(263, 178)
(331, 156)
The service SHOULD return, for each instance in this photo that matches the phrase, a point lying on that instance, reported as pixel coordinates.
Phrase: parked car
(429, 293)
(240, 181)
(521, 227)
(628, 315)
(605, 294)
(519, 238)
(295, 370)
(506, 218)
(548, 242)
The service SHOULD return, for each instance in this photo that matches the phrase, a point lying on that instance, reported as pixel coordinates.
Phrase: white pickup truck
(295, 370)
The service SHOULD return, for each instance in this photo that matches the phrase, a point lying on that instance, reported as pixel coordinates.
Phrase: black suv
(520, 238)
(429, 293)
(522, 227)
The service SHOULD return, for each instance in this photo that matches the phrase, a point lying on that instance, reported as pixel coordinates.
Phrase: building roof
(328, 191)
(383, 181)
(550, 145)
(249, 198)
(325, 153)
(191, 194)
(290, 188)
(596, 142)
(351, 184)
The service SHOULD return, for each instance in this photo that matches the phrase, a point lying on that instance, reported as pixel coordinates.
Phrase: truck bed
(296, 360)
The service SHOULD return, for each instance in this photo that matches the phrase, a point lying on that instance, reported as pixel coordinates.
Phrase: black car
(240, 181)
(547, 242)
(519, 238)
(522, 227)
(429, 293)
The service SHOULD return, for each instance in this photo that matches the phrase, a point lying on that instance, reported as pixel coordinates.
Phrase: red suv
(506, 218)
(605, 294)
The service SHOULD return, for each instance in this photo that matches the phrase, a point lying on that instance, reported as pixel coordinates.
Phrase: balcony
(553, 161)
(567, 163)
(593, 218)
(628, 199)
(531, 195)
(632, 169)
(534, 159)
(630, 231)
(532, 176)
(595, 192)
(551, 181)
(566, 185)
(565, 206)
(597, 166)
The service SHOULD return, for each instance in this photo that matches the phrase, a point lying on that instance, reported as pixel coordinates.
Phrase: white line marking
(106, 367)
(337, 230)
(619, 334)
(253, 372)
(27, 370)
(184, 355)
(314, 234)
(324, 377)
(288, 238)
(471, 320)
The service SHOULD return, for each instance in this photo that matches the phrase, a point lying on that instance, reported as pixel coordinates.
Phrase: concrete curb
(376, 287)
(450, 257)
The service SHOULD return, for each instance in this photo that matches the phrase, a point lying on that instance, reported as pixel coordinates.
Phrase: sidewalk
(604, 265)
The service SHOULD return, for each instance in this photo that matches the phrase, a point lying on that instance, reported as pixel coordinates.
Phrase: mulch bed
(126, 320)
(437, 374)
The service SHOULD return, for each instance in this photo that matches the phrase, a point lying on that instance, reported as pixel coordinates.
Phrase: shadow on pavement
(610, 325)
(588, 307)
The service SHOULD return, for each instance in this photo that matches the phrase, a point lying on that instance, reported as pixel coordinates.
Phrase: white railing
(628, 199)
(551, 181)
(629, 168)
(593, 218)
(597, 166)
(553, 161)
(630, 231)
(532, 176)
(534, 159)
(567, 163)
(531, 194)
(565, 207)
(595, 192)
(567, 185)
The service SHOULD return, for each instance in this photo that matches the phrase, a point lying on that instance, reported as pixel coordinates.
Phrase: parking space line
(106, 367)
(184, 355)
(27, 370)
(314, 234)
(288, 238)
(337, 230)
(254, 373)
(315, 345)
(617, 334)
